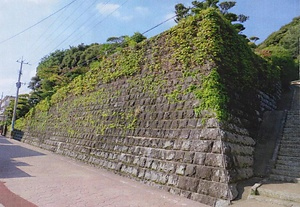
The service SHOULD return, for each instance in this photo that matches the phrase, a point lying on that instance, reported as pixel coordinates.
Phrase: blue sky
(89, 21)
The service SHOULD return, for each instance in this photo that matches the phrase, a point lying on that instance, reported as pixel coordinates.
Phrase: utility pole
(299, 57)
(18, 84)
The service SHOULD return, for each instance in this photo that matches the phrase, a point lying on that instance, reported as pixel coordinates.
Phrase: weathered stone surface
(130, 126)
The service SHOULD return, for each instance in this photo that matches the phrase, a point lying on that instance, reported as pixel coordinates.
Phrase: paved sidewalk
(32, 177)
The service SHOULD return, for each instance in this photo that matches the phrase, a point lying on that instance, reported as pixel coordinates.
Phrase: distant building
(3, 105)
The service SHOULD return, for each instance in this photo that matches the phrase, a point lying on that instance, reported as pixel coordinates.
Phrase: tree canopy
(281, 48)
(182, 11)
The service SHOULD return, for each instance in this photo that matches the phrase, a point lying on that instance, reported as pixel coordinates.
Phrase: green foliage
(281, 49)
(213, 96)
(23, 107)
(281, 58)
(184, 12)
(205, 48)
(286, 37)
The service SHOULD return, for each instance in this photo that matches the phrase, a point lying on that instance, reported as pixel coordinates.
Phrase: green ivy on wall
(211, 57)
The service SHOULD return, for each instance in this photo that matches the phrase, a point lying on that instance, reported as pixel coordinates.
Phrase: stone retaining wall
(144, 125)
(167, 145)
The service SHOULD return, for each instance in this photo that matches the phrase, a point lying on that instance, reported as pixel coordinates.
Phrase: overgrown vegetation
(224, 7)
(281, 49)
(61, 67)
(204, 37)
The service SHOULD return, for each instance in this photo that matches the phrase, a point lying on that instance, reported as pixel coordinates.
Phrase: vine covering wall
(178, 111)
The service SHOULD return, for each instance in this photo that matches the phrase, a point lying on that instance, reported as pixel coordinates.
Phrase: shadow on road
(8, 164)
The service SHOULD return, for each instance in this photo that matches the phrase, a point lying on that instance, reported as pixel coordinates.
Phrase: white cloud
(112, 9)
(41, 1)
(106, 9)
(29, 1)
(141, 10)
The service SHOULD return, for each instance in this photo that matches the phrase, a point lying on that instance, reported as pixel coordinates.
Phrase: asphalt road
(32, 177)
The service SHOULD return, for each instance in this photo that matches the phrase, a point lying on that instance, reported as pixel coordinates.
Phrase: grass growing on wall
(204, 48)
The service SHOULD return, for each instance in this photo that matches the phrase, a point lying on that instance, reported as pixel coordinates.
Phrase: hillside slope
(286, 37)
(282, 49)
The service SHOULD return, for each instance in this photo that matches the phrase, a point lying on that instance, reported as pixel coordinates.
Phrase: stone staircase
(287, 166)
(282, 188)
(277, 194)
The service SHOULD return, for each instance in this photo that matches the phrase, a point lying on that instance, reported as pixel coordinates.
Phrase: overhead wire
(148, 30)
(99, 22)
(57, 27)
(30, 27)
(90, 25)
(74, 20)
(152, 28)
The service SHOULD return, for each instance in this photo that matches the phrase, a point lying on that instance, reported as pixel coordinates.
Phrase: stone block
(186, 145)
(186, 194)
(190, 170)
(154, 143)
(163, 178)
(215, 160)
(154, 176)
(194, 134)
(148, 175)
(179, 156)
(167, 167)
(219, 175)
(180, 170)
(192, 123)
(185, 134)
(173, 180)
(202, 146)
(154, 165)
(211, 133)
(182, 183)
(168, 144)
(175, 191)
(188, 157)
(175, 125)
(204, 172)
(203, 187)
(170, 155)
(148, 163)
(203, 199)
(142, 162)
(182, 124)
(141, 173)
(216, 147)
(199, 158)
(219, 190)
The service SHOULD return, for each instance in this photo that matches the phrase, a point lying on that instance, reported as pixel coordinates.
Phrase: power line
(65, 20)
(92, 27)
(99, 22)
(148, 30)
(48, 29)
(28, 28)
(71, 23)
(159, 24)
